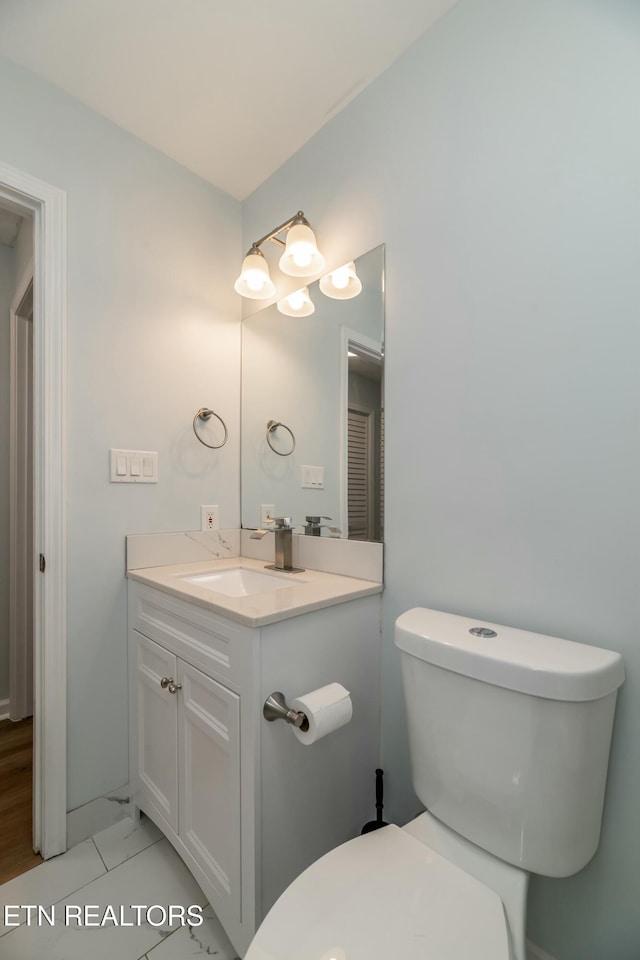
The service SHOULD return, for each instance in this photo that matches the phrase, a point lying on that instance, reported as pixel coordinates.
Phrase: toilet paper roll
(327, 709)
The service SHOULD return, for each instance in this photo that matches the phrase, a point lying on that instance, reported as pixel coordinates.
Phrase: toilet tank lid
(527, 662)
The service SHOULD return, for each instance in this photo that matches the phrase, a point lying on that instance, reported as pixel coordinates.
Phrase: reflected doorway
(365, 492)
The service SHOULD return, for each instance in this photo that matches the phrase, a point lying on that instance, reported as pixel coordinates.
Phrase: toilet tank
(509, 734)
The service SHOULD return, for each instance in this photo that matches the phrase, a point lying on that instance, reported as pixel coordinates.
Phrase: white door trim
(20, 509)
(48, 205)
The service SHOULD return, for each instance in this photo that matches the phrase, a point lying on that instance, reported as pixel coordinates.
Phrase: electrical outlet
(209, 519)
(266, 513)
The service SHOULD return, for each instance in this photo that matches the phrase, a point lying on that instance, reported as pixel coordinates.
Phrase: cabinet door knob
(164, 683)
(174, 687)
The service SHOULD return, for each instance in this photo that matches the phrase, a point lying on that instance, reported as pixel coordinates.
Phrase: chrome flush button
(483, 632)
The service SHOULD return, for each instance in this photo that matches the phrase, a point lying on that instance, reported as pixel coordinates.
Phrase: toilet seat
(380, 896)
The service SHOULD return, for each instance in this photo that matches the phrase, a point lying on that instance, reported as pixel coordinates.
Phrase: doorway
(21, 559)
(27, 196)
(16, 543)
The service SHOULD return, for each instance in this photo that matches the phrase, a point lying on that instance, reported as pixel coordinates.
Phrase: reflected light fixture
(300, 258)
(298, 304)
(342, 283)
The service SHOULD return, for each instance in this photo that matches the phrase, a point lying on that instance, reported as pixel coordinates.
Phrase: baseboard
(535, 952)
(4, 709)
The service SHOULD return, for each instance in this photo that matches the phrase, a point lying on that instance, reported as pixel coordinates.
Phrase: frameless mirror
(313, 411)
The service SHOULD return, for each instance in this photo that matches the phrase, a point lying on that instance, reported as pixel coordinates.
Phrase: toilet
(509, 733)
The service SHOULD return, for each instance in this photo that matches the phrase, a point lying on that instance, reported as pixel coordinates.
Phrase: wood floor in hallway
(16, 779)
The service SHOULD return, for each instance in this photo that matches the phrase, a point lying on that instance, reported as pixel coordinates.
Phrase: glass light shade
(298, 304)
(254, 281)
(301, 257)
(342, 284)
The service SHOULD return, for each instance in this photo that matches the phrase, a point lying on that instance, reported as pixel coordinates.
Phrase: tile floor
(123, 865)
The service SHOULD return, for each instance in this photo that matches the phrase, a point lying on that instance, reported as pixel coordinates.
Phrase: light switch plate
(133, 466)
(312, 477)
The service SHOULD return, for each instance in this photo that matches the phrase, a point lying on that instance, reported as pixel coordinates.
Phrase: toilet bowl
(509, 734)
(385, 895)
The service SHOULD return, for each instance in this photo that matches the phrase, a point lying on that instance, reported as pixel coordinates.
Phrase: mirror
(313, 411)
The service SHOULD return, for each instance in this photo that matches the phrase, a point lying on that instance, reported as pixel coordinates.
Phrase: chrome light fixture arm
(273, 235)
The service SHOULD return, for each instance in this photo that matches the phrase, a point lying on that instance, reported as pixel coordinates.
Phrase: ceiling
(228, 88)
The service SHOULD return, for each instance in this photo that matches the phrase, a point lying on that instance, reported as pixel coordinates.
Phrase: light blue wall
(499, 160)
(152, 255)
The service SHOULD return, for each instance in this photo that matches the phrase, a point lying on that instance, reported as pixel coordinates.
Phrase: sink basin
(240, 582)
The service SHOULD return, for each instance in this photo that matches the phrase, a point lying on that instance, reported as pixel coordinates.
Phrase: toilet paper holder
(275, 708)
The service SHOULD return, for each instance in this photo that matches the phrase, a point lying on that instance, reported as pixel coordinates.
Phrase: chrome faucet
(283, 531)
(314, 526)
(284, 543)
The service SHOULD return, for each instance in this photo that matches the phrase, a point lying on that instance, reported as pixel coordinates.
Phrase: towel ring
(205, 414)
(272, 426)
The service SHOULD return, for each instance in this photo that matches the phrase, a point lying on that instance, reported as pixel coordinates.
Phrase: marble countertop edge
(310, 590)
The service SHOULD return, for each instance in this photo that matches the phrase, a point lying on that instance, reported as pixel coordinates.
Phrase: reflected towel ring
(205, 414)
(272, 426)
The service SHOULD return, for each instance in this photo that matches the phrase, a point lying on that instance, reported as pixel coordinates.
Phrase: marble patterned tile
(52, 880)
(207, 940)
(125, 839)
(97, 815)
(155, 876)
(158, 549)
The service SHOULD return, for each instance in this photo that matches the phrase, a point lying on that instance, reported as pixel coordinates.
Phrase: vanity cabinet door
(209, 735)
(157, 728)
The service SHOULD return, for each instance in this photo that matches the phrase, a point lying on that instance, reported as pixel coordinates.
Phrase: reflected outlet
(209, 519)
(267, 511)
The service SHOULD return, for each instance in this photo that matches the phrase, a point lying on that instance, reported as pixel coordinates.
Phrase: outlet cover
(209, 519)
(267, 511)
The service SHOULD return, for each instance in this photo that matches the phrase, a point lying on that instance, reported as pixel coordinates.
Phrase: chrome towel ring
(205, 414)
(272, 426)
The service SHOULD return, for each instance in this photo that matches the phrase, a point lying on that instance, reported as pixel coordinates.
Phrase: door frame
(47, 204)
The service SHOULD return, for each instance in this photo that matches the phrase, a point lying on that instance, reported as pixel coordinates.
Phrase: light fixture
(254, 281)
(342, 283)
(298, 304)
(300, 258)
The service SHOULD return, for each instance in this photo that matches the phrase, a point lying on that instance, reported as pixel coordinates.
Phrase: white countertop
(309, 590)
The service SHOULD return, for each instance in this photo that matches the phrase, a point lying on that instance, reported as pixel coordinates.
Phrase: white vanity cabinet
(246, 805)
(157, 729)
(188, 748)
